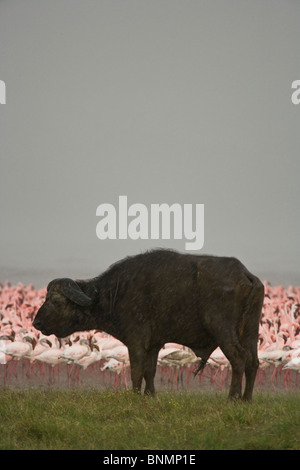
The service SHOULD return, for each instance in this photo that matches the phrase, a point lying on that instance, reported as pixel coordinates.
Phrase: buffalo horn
(72, 291)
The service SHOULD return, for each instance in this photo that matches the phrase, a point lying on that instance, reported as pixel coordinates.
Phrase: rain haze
(185, 102)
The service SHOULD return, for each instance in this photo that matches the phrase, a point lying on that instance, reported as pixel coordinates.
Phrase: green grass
(76, 419)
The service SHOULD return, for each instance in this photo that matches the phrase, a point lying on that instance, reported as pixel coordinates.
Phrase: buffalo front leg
(143, 365)
(136, 358)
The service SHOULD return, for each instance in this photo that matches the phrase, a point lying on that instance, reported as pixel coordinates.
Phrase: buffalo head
(65, 310)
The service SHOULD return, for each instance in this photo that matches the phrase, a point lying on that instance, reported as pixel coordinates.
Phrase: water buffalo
(163, 296)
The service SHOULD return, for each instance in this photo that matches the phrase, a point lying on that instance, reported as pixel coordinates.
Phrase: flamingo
(114, 365)
(295, 344)
(94, 356)
(293, 364)
(120, 353)
(165, 351)
(275, 357)
(218, 358)
(4, 340)
(3, 359)
(42, 345)
(279, 334)
(178, 357)
(108, 343)
(19, 349)
(51, 356)
(76, 351)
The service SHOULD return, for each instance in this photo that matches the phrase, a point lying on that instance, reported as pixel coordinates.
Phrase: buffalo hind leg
(150, 363)
(251, 367)
(249, 338)
(237, 358)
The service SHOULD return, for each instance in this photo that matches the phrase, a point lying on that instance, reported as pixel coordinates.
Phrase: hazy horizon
(183, 102)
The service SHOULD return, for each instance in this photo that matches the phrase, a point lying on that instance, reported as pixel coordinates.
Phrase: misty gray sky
(185, 101)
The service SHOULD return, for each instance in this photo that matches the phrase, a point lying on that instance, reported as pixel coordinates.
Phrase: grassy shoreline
(74, 419)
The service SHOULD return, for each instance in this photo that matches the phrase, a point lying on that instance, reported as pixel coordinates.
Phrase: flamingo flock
(278, 344)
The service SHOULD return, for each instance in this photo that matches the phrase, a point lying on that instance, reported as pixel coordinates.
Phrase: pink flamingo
(51, 356)
(19, 349)
(119, 353)
(280, 327)
(42, 345)
(118, 367)
(76, 351)
(177, 357)
(94, 356)
(293, 364)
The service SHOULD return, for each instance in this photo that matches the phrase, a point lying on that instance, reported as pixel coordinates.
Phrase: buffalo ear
(72, 291)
